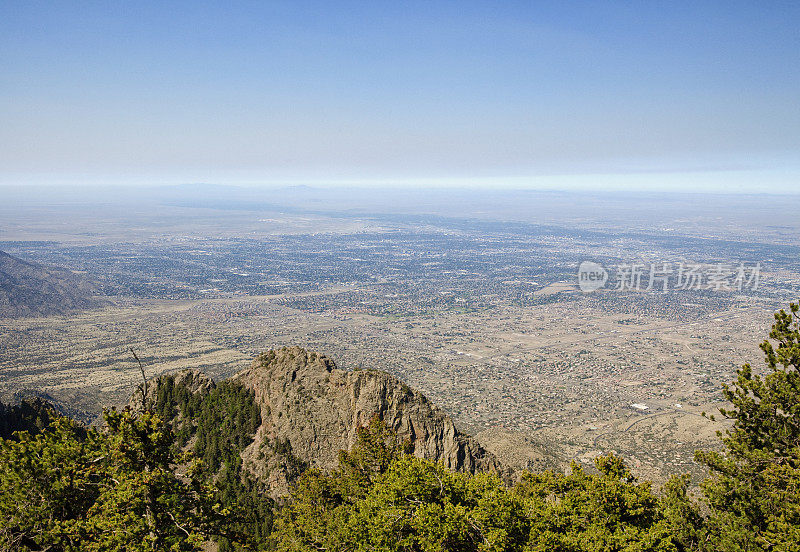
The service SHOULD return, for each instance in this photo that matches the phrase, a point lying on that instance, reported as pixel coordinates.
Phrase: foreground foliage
(754, 488)
(132, 486)
(66, 489)
(382, 499)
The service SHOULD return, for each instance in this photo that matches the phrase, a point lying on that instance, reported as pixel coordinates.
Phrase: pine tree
(754, 489)
(48, 484)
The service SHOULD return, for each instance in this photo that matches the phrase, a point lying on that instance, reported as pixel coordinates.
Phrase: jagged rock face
(195, 381)
(304, 398)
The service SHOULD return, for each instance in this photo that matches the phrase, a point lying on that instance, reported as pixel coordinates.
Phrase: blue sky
(601, 95)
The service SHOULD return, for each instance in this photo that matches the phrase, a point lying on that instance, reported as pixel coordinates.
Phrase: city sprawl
(484, 315)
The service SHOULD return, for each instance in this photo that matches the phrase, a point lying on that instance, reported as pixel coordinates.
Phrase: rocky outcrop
(311, 410)
(195, 381)
(306, 400)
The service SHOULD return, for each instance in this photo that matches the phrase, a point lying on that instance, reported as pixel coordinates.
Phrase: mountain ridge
(310, 410)
(33, 289)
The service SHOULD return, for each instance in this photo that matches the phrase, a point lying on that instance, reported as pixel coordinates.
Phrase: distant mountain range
(32, 289)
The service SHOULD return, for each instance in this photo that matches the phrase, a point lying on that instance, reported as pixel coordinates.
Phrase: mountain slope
(315, 408)
(309, 411)
(31, 289)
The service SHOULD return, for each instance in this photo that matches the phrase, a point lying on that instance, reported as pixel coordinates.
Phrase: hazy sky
(638, 95)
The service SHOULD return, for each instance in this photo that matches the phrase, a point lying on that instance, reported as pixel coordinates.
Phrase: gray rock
(306, 399)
